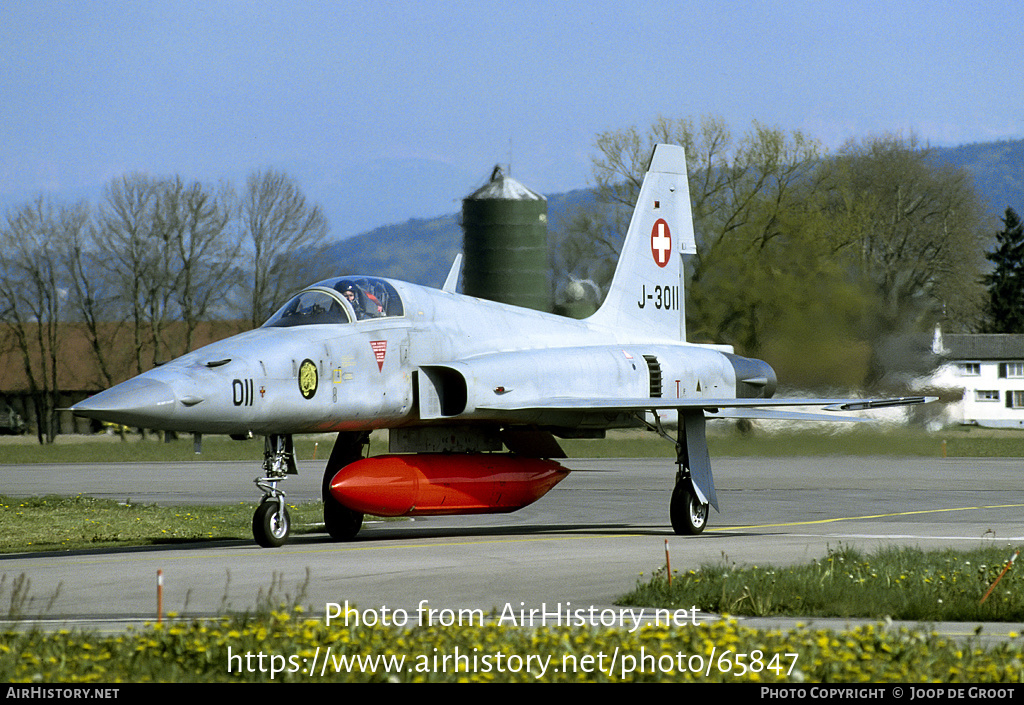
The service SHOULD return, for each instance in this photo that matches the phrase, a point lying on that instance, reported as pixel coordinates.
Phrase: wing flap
(783, 415)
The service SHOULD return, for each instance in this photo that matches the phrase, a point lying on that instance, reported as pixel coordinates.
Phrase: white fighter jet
(457, 378)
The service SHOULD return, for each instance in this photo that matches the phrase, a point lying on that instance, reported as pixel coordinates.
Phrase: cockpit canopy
(337, 301)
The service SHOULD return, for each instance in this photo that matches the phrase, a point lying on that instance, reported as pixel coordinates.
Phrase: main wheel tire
(689, 515)
(341, 522)
(268, 528)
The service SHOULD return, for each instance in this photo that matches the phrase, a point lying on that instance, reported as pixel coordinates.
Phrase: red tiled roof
(77, 366)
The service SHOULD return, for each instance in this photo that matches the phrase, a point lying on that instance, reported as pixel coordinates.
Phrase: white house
(990, 370)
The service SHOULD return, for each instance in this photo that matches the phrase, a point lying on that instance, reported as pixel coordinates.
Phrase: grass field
(101, 448)
(288, 638)
(56, 523)
(903, 583)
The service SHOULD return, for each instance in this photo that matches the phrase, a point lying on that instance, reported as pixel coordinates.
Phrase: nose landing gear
(271, 524)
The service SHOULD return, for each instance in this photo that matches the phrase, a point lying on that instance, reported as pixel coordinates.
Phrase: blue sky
(390, 110)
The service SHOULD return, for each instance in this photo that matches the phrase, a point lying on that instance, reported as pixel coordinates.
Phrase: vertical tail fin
(646, 294)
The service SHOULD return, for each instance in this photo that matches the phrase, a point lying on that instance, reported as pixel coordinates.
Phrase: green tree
(756, 204)
(797, 249)
(913, 229)
(1004, 310)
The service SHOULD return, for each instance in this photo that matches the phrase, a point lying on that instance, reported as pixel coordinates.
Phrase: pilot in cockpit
(364, 305)
(349, 292)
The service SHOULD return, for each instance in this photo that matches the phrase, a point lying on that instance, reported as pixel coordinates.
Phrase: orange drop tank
(437, 483)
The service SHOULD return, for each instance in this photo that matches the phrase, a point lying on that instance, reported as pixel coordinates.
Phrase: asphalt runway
(585, 543)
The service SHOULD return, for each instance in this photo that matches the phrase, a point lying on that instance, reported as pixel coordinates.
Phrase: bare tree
(733, 184)
(92, 298)
(169, 247)
(192, 224)
(32, 295)
(131, 256)
(281, 233)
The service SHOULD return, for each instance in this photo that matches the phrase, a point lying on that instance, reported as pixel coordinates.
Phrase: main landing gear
(689, 514)
(341, 522)
(689, 508)
(271, 524)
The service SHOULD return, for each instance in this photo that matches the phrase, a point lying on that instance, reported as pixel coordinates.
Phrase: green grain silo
(505, 244)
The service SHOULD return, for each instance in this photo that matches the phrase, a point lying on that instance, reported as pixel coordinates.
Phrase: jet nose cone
(137, 402)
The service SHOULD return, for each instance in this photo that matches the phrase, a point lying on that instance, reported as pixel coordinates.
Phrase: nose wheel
(271, 524)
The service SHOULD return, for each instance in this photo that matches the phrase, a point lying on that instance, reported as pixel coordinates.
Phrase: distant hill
(421, 250)
(998, 170)
(418, 251)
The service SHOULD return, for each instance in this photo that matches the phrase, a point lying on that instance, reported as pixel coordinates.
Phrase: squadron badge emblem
(307, 379)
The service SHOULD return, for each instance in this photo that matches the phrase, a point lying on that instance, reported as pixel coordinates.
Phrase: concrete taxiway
(585, 543)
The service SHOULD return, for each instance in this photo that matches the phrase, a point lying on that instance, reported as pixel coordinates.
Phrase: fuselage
(431, 357)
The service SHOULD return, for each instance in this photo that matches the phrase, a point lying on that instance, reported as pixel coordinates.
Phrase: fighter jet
(457, 380)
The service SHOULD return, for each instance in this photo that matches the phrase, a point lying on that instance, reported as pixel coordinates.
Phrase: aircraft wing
(715, 408)
(693, 429)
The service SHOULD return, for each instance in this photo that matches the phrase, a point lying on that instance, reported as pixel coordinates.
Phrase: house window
(986, 395)
(1015, 399)
(970, 369)
(1011, 370)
